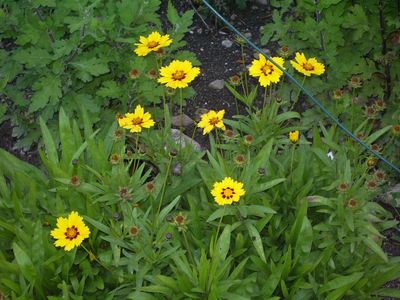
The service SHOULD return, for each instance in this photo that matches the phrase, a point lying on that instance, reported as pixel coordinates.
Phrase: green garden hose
(301, 87)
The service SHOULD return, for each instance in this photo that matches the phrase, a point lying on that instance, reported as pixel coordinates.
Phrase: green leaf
(48, 3)
(266, 185)
(110, 89)
(24, 263)
(92, 66)
(375, 248)
(33, 57)
(386, 292)
(256, 239)
(340, 281)
(48, 91)
(224, 242)
(50, 146)
(222, 211)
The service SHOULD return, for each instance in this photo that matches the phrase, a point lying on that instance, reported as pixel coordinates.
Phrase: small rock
(199, 112)
(262, 2)
(227, 43)
(233, 17)
(247, 34)
(175, 134)
(217, 84)
(186, 121)
(200, 30)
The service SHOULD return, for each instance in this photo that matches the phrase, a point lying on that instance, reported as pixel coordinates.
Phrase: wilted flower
(75, 182)
(284, 51)
(118, 134)
(173, 152)
(248, 139)
(180, 221)
(227, 191)
(380, 105)
(70, 232)
(212, 120)
(338, 94)
(370, 112)
(239, 159)
(178, 74)
(150, 187)
(376, 147)
(396, 130)
(124, 193)
(134, 230)
(379, 176)
(137, 120)
(355, 82)
(307, 66)
(153, 42)
(360, 135)
(114, 159)
(343, 187)
(229, 134)
(266, 71)
(372, 185)
(294, 136)
(134, 73)
(152, 74)
(352, 203)
(235, 80)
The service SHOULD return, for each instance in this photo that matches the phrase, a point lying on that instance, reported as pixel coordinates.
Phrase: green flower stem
(298, 94)
(188, 248)
(246, 87)
(292, 158)
(180, 118)
(95, 258)
(163, 188)
(218, 228)
(136, 161)
(265, 98)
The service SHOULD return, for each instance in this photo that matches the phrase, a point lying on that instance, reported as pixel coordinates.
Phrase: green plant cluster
(360, 43)
(304, 227)
(71, 53)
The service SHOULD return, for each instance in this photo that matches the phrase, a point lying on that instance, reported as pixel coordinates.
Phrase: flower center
(213, 121)
(137, 121)
(267, 69)
(179, 75)
(152, 44)
(227, 193)
(71, 233)
(308, 67)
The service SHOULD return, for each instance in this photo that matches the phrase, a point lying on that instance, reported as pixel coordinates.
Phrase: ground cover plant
(276, 208)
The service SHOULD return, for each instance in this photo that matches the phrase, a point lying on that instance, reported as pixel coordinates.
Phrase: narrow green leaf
(256, 239)
(48, 140)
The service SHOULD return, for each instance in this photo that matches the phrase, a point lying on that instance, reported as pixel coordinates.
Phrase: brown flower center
(137, 121)
(71, 233)
(308, 67)
(227, 193)
(179, 75)
(213, 121)
(152, 44)
(267, 69)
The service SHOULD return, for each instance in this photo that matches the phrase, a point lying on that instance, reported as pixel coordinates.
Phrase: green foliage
(358, 44)
(77, 53)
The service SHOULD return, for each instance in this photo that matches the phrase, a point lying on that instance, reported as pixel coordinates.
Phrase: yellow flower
(294, 136)
(137, 120)
(307, 66)
(70, 232)
(227, 191)
(266, 71)
(178, 74)
(153, 42)
(212, 120)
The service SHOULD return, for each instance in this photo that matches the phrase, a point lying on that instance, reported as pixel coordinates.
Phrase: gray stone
(175, 134)
(199, 112)
(262, 2)
(227, 43)
(186, 121)
(217, 84)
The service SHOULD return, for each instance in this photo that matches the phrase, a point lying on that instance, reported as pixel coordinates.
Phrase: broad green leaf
(266, 185)
(48, 91)
(256, 239)
(340, 281)
(224, 242)
(24, 263)
(375, 248)
(51, 149)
